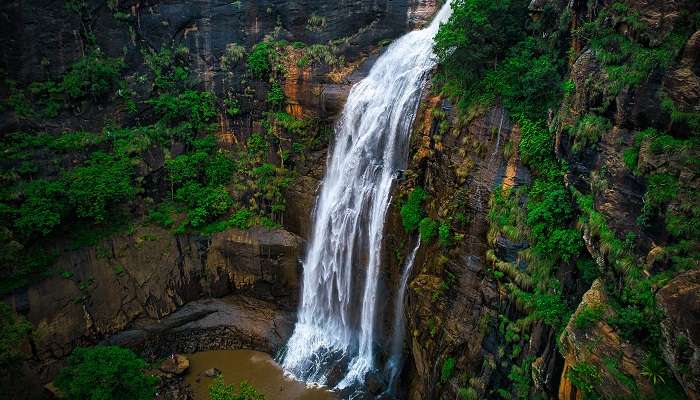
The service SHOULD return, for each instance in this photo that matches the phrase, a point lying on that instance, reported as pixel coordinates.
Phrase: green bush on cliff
(219, 390)
(428, 229)
(259, 60)
(447, 370)
(92, 76)
(477, 35)
(13, 332)
(412, 210)
(191, 110)
(103, 182)
(105, 373)
(585, 377)
(275, 96)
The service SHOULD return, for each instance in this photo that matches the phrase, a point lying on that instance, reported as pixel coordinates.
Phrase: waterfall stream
(395, 362)
(335, 330)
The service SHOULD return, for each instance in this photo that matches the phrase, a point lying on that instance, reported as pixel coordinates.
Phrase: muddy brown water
(259, 369)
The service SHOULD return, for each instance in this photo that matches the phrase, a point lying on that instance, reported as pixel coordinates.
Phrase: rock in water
(176, 364)
(211, 373)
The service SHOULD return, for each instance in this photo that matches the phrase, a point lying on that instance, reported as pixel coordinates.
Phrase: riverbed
(259, 369)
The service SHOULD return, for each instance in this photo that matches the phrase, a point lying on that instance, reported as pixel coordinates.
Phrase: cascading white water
(393, 366)
(371, 140)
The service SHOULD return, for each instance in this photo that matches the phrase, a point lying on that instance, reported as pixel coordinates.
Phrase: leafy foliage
(412, 210)
(105, 372)
(259, 60)
(477, 35)
(219, 390)
(13, 331)
(92, 76)
(276, 95)
(103, 182)
(584, 376)
(448, 367)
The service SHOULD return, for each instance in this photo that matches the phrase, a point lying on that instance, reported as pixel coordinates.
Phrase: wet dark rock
(375, 383)
(211, 373)
(507, 250)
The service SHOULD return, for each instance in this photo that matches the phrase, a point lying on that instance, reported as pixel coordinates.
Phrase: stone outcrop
(149, 274)
(680, 302)
(616, 364)
(452, 302)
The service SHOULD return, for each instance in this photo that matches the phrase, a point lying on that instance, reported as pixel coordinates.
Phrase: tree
(221, 391)
(476, 37)
(105, 373)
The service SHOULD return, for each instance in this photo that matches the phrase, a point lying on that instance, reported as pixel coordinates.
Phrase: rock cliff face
(461, 318)
(137, 282)
(680, 302)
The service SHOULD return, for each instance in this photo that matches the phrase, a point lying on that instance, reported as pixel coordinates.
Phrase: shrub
(276, 96)
(193, 109)
(242, 219)
(584, 376)
(448, 367)
(93, 75)
(478, 33)
(233, 53)
(42, 209)
(220, 168)
(204, 203)
(13, 331)
(654, 369)
(412, 210)
(589, 130)
(256, 144)
(536, 143)
(105, 373)
(444, 234)
(428, 229)
(468, 393)
(259, 60)
(316, 23)
(661, 189)
(184, 167)
(103, 182)
(219, 390)
(528, 80)
(588, 316)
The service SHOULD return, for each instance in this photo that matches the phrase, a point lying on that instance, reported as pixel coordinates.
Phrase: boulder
(211, 373)
(176, 364)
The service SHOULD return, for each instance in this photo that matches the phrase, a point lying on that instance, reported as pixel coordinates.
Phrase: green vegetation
(219, 390)
(105, 372)
(276, 96)
(588, 316)
(585, 377)
(13, 332)
(428, 228)
(477, 35)
(412, 210)
(628, 59)
(92, 77)
(259, 60)
(448, 367)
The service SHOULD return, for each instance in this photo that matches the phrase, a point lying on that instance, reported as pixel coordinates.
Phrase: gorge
(379, 199)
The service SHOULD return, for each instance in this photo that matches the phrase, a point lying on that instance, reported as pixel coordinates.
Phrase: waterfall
(335, 329)
(395, 362)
